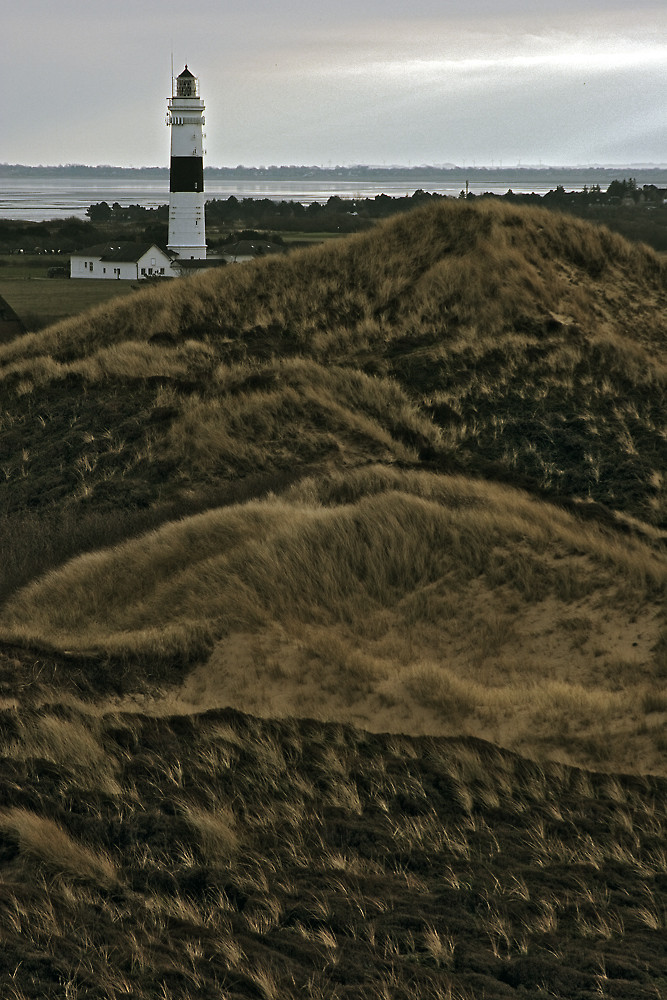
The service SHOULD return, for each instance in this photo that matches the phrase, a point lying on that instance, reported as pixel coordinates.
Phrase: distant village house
(128, 261)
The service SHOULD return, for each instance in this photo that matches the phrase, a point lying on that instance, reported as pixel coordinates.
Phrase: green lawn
(39, 300)
(299, 237)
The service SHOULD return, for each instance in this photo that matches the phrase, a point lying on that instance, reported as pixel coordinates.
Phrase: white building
(185, 117)
(124, 261)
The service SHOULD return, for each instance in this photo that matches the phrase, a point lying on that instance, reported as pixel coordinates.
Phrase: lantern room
(187, 85)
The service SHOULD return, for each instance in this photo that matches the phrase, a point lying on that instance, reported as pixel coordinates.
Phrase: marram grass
(393, 599)
(253, 564)
(243, 858)
(281, 486)
(508, 342)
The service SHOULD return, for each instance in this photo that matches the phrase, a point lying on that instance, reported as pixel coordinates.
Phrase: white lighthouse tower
(185, 116)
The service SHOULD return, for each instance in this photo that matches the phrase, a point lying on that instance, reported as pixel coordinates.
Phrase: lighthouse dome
(186, 84)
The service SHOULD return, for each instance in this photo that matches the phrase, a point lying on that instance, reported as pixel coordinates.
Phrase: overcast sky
(470, 82)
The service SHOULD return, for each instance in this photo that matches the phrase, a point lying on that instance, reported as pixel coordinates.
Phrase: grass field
(333, 636)
(309, 238)
(40, 301)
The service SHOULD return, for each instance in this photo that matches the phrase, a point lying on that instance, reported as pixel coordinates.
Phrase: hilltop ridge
(490, 335)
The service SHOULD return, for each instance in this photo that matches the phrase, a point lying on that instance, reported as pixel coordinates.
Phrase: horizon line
(351, 166)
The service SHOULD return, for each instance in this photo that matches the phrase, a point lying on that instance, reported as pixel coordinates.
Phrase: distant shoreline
(36, 194)
(575, 175)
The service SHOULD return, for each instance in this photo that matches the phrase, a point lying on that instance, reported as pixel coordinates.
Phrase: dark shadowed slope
(513, 344)
(226, 857)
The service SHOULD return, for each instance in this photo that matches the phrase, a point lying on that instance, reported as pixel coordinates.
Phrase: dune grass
(45, 842)
(512, 343)
(447, 264)
(264, 561)
(413, 481)
(299, 860)
(363, 396)
(395, 599)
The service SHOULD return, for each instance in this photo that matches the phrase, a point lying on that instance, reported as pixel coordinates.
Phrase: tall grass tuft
(45, 842)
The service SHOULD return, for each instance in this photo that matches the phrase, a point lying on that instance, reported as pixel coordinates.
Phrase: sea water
(41, 198)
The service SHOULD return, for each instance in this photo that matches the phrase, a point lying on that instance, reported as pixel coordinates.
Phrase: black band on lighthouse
(186, 173)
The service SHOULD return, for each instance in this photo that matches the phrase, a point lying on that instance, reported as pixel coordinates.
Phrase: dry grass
(320, 490)
(64, 742)
(215, 831)
(268, 561)
(44, 842)
(510, 343)
(483, 262)
(294, 859)
(393, 599)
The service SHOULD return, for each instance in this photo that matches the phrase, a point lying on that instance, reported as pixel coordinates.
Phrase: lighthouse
(185, 117)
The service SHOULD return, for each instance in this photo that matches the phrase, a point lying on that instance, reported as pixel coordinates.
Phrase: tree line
(639, 213)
